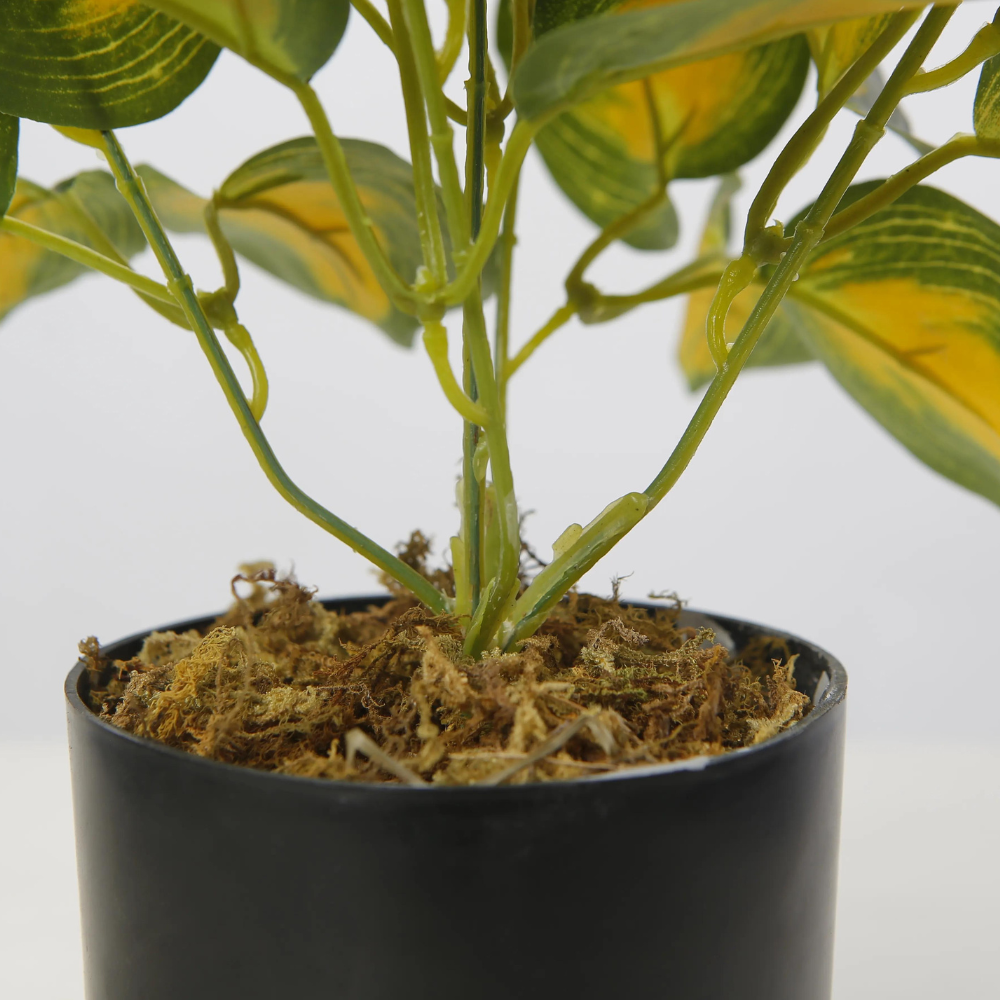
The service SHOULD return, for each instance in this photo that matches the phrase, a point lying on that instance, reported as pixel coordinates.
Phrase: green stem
(889, 190)
(802, 145)
(557, 320)
(619, 518)
(621, 226)
(984, 45)
(223, 249)
(378, 23)
(402, 296)
(453, 39)
(182, 289)
(87, 257)
(436, 344)
(501, 344)
(808, 233)
(420, 148)
(506, 177)
(442, 134)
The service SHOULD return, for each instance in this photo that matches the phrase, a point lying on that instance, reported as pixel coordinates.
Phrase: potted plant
(489, 784)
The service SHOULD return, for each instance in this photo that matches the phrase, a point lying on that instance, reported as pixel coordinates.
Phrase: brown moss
(387, 694)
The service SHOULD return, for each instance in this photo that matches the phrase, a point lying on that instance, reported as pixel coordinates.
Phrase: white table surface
(919, 910)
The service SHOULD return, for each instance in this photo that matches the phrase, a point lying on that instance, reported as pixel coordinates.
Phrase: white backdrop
(129, 497)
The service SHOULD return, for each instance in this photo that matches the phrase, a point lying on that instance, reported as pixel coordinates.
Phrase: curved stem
(454, 36)
(558, 319)
(889, 190)
(428, 222)
(984, 45)
(378, 23)
(501, 343)
(802, 145)
(436, 343)
(182, 289)
(506, 177)
(401, 294)
(223, 249)
(87, 257)
(239, 336)
(737, 276)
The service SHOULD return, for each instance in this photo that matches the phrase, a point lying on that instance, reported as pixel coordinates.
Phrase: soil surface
(387, 695)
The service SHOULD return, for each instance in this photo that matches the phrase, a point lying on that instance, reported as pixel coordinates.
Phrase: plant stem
(436, 343)
(453, 39)
(182, 289)
(442, 135)
(808, 233)
(378, 23)
(223, 249)
(984, 45)
(400, 293)
(506, 177)
(557, 320)
(501, 343)
(420, 149)
(87, 257)
(889, 190)
(808, 136)
(624, 514)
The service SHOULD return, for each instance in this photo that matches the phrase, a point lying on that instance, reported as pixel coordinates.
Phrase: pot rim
(830, 697)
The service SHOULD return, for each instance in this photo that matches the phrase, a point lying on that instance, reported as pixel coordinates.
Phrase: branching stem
(181, 288)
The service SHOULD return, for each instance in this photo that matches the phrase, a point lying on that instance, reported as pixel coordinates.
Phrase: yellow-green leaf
(778, 345)
(904, 309)
(576, 61)
(986, 112)
(280, 211)
(72, 209)
(836, 47)
(9, 129)
(286, 37)
(96, 63)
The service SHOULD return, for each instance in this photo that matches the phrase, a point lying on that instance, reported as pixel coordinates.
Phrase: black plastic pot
(711, 879)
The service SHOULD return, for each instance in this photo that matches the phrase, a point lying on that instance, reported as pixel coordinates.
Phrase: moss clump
(282, 684)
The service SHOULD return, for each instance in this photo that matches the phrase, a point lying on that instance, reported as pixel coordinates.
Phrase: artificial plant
(894, 285)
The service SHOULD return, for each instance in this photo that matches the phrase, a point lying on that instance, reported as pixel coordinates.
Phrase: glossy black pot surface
(709, 880)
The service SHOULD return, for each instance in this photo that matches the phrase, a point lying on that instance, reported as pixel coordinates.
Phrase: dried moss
(284, 685)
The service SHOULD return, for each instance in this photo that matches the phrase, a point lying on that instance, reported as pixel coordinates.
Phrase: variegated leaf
(73, 209)
(280, 211)
(96, 63)
(986, 112)
(904, 309)
(778, 345)
(287, 37)
(579, 60)
(9, 130)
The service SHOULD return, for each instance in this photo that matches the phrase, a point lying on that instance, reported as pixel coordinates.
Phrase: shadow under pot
(710, 879)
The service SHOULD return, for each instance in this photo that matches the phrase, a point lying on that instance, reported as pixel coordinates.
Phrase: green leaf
(577, 61)
(904, 309)
(779, 344)
(280, 211)
(986, 111)
(97, 64)
(282, 37)
(74, 209)
(9, 129)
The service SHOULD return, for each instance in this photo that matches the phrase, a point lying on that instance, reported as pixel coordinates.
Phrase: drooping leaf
(96, 63)
(779, 344)
(579, 60)
(904, 309)
(9, 129)
(280, 211)
(292, 37)
(986, 111)
(72, 209)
